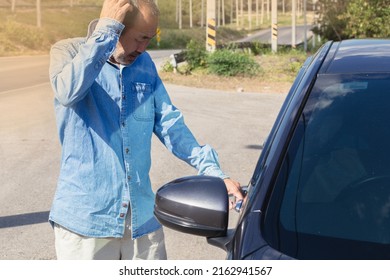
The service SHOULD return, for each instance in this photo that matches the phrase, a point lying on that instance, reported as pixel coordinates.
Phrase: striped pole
(274, 39)
(211, 35)
(211, 32)
(158, 36)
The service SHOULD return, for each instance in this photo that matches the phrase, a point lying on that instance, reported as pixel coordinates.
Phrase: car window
(331, 199)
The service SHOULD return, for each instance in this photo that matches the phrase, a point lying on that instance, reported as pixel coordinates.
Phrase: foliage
(367, 18)
(258, 48)
(17, 34)
(167, 67)
(331, 26)
(177, 38)
(196, 54)
(353, 19)
(232, 63)
(20, 35)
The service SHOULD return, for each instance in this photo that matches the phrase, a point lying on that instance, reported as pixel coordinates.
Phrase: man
(109, 100)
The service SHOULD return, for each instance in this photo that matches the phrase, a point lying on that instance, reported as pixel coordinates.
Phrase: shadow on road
(254, 147)
(24, 219)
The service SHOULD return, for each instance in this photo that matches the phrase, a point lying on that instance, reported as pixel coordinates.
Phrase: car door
(331, 195)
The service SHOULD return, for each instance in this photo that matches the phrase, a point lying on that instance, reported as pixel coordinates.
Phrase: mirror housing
(197, 205)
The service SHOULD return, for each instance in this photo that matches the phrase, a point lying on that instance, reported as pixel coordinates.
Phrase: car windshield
(333, 190)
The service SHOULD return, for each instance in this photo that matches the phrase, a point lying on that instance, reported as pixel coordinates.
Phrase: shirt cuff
(216, 173)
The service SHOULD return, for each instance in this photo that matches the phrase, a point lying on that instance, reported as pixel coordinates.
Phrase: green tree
(367, 18)
(353, 19)
(331, 26)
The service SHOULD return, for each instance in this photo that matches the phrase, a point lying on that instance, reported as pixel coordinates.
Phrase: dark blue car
(321, 187)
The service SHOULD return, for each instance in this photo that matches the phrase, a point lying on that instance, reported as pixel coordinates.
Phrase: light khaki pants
(72, 246)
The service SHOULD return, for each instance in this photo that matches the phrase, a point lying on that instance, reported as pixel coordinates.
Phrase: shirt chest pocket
(143, 102)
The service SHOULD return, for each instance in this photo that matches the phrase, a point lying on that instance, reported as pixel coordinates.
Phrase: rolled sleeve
(75, 64)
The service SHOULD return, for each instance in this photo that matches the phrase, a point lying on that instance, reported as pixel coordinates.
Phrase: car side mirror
(197, 205)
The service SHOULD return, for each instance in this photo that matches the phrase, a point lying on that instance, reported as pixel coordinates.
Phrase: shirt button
(128, 177)
(123, 96)
(123, 123)
(127, 150)
(124, 205)
(121, 215)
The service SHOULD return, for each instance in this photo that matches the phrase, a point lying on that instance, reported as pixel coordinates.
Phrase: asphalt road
(284, 35)
(234, 123)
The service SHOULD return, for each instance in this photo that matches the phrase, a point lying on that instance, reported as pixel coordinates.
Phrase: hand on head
(116, 9)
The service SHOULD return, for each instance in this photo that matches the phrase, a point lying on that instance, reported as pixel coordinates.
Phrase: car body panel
(351, 56)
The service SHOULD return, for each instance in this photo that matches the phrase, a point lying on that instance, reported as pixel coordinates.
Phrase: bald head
(146, 8)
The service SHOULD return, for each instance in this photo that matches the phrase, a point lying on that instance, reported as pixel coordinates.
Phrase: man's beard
(123, 59)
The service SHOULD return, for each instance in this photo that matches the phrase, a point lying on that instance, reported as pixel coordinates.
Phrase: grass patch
(278, 72)
(20, 35)
(281, 67)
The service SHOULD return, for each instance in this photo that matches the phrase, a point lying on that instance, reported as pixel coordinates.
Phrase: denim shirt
(106, 116)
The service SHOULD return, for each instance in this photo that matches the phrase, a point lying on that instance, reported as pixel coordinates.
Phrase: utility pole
(177, 11)
(316, 23)
(294, 23)
(242, 13)
(211, 34)
(237, 12)
(305, 24)
(13, 5)
(223, 13)
(231, 11)
(202, 14)
(190, 13)
(39, 14)
(180, 15)
(250, 15)
(268, 9)
(274, 26)
(262, 12)
(218, 16)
